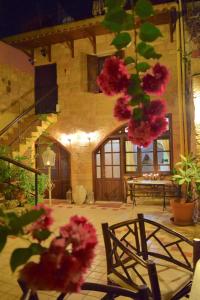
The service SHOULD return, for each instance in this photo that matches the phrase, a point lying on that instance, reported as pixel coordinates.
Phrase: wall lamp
(80, 137)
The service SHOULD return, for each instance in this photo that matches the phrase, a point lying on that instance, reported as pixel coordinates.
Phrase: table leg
(164, 203)
(132, 194)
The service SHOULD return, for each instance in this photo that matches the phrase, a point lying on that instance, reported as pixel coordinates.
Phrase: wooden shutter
(92, 71)
(46, 88)
(94, 67)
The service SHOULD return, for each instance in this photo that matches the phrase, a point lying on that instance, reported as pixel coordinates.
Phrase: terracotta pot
(183, 212)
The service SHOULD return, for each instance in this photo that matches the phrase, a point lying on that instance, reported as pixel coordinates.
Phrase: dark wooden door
(61, 172)
(108, 178)
(46, 90)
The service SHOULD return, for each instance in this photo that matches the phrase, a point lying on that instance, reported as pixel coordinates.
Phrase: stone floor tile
(98, 213)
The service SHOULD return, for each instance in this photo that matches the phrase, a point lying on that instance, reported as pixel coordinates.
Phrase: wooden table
(149, 188)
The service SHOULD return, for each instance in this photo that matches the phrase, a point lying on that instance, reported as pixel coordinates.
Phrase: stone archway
(61, 173)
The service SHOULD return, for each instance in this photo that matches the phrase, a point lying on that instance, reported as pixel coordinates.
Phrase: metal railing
(25, 112)
(30, 169)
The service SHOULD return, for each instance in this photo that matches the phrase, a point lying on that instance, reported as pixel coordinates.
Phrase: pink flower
(61, 267)
(161, 73)
(155, 108)
(43, 223)
(80, 232)
(156, 83)
(122, 110)
(48, 274)
(158, 126)
(114, 77)
(143, 132)
(139, 133)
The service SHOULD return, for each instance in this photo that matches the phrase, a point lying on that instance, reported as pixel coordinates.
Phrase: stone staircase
(22, 137)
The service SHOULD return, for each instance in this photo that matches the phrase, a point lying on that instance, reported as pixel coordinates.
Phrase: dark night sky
(23, 15)
(18, 16)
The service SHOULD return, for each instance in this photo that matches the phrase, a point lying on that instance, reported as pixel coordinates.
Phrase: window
(117, 156)
(94, 66)
(154, 158)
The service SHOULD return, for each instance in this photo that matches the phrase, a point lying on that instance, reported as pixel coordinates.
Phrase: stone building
(90, 144)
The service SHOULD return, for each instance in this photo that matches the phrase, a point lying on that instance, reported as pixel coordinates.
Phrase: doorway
(108, 183)
(116, 157)
(61, 172)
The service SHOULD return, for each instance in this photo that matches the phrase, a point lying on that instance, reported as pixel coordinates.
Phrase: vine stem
(135, 37)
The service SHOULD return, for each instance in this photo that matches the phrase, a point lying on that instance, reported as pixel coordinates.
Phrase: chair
(127, 189)
(111, 292)
(142, 251)
(195, 289)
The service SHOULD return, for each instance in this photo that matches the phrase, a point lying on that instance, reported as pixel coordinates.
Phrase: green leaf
(147, 51)
(21, 255)
(129, 60)
(177, 176)
(42, 234)
(118, 20)
(144, 98)
(112, 4)
(181, 181)
(30, 217)
(122, 40)
(183, 158)
(144, 9)
(140, 98)
(134, 87)
(14, 224)
(149, 32)
(142, 67)
(3, 237)
(137, 114)
(134, 101)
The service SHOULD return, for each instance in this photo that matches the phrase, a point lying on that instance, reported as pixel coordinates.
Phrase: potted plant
(187, 175)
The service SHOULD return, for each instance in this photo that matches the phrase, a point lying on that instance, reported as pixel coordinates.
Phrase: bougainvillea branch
(62, 265)
(133, 78)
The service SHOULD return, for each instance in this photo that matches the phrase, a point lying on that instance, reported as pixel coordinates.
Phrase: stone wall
(90, 112)
(16, 78)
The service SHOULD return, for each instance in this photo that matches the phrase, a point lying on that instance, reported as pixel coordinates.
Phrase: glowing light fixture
(80, 137)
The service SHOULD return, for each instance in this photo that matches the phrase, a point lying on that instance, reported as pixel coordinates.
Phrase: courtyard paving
(97, 213)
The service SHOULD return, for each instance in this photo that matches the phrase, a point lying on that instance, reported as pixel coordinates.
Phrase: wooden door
(61, 172)
(108, 171)
(46, 90)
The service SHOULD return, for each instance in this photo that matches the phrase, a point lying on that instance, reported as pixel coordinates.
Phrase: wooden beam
(92, 39)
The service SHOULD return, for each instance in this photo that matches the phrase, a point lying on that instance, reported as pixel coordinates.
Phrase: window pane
(98, 172)
(163, 158)
(98, 160)
(108, 159)
(116, 172)
(130, 147)
(131, 168)
(147, 149)
(147, 158)
(164, 168)
(167, 124)
(108, 172)
(116, 159)
(131, 158)
(115, 146)
(163, 145)
(107, 147)
(147, 169)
